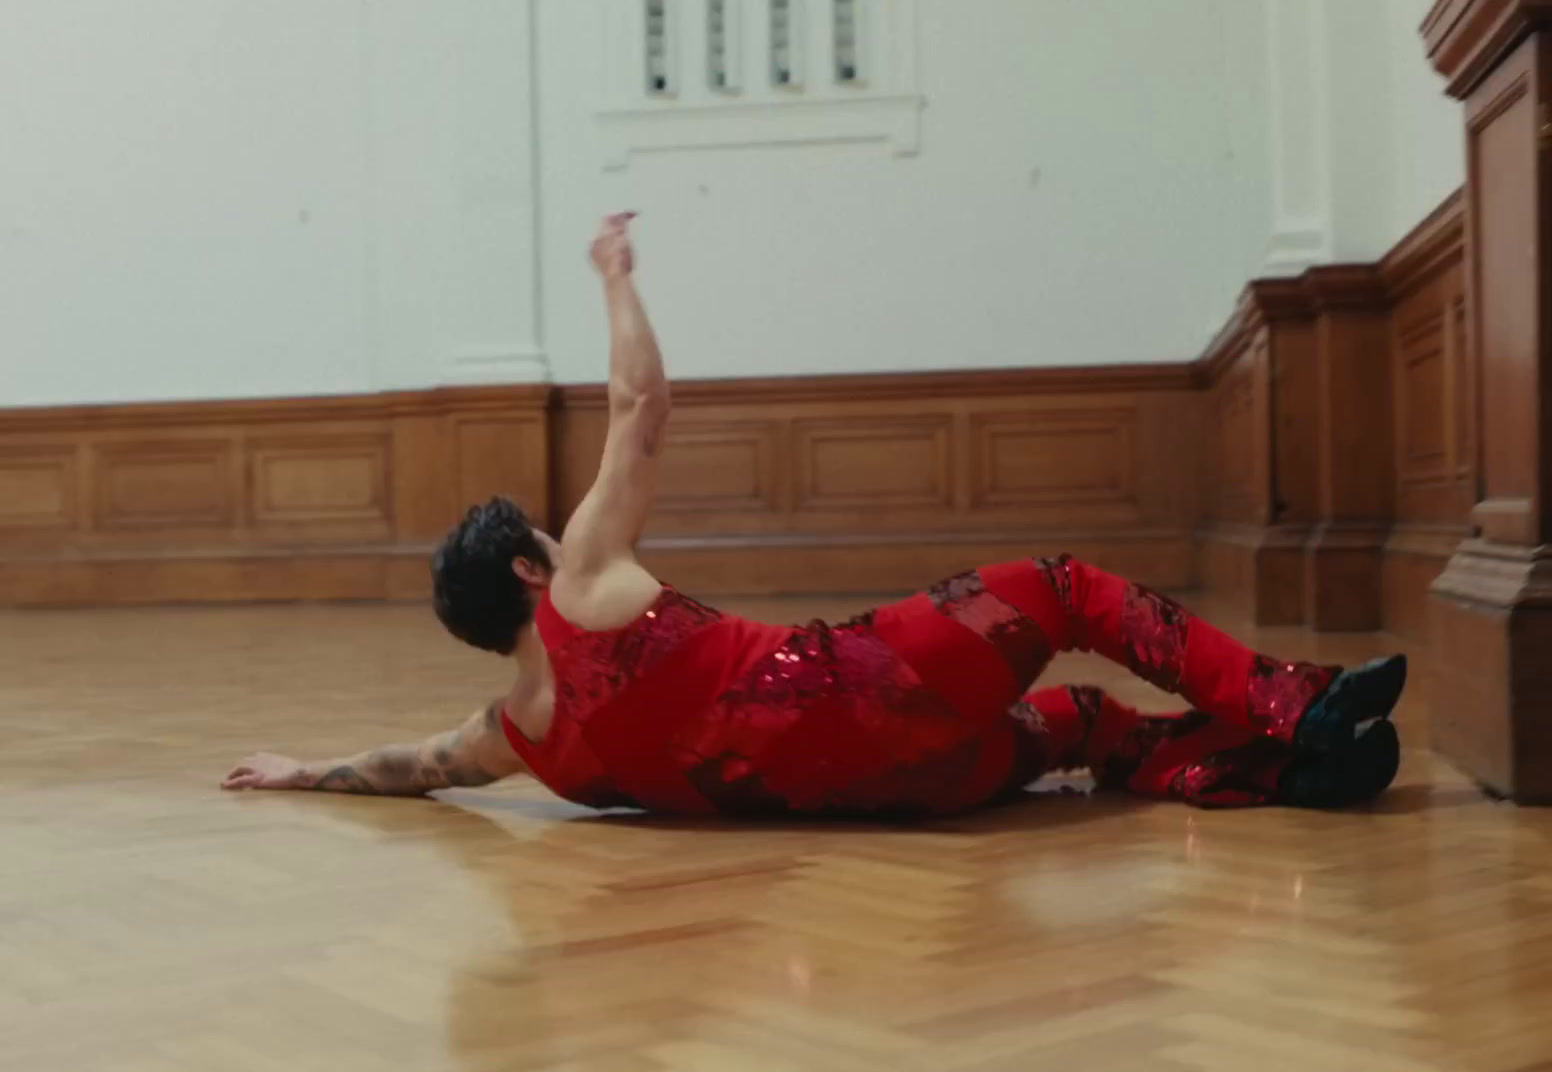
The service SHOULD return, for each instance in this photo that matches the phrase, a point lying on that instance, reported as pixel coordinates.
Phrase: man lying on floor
(629, 694)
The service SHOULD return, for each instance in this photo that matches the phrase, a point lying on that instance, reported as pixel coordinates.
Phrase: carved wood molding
(891, 386)
(1433, 244)
(1467, 38)
(386, 404)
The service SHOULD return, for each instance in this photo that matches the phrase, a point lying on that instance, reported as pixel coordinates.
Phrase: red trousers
(1228, 750)
(1190, 757)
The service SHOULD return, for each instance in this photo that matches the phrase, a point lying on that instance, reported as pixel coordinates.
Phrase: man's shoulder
(604, 599)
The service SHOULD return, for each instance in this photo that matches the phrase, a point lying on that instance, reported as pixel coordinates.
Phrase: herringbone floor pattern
(149, 923)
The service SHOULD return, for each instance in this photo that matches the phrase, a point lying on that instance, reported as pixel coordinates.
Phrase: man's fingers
(241, 777)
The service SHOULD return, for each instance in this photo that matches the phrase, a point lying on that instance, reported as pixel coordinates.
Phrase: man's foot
(1356, 696)
(1355, 773)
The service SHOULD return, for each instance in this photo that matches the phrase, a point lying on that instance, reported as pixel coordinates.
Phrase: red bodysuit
(920, 707)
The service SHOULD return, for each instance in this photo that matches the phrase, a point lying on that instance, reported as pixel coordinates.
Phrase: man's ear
(530, 572)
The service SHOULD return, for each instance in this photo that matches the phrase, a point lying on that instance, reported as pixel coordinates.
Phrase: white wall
(1428, 128)
(1365, 143)
(1142, 121)
(180, 208)
(216, 198)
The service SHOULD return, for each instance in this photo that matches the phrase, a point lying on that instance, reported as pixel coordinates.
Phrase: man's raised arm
(607, 524)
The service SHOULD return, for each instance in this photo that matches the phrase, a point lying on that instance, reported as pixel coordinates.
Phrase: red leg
(1189, 757)
(1077, 607)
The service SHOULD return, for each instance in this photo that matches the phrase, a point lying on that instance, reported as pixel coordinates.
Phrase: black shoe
(1356, 696)
(1355, 773)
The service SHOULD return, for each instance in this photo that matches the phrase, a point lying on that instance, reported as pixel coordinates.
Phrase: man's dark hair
(477, 595)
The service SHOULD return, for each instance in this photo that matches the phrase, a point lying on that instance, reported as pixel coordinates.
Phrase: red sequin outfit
(921, 707)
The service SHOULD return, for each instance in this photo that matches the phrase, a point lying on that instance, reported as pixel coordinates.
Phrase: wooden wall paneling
(1491, 609)
(1294, 374)
(1238, 488)
(868, 467)
(1033, 459)
(1424, 417)
(1355, 449)
(886, 483)
(1252, 553)
(162, 484)
(721, 467)
(1466, 407)
(326, 498)
(1433, 422)
(331, 484)
(39, 492)
(423, 477)
(503, 454)
(1504, 152)
(1090, 460)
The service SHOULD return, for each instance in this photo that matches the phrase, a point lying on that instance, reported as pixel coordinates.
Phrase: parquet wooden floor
(150, 923)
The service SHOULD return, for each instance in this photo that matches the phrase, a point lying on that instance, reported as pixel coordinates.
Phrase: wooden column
(1354, 454)
(1491, 610)
(1261, 494)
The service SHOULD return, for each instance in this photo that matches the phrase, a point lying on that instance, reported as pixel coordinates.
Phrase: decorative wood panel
(1236, 422)
(1489, 610)
(874, 463)
(1463, 391)
(1432, 376)
(1503, 151)
(1434, 427)
(719, 467)
(314, 480)
(174, 484)
(850, 483)
(1043, 458)
(37, 488)
(334, 498)
(1421, 404)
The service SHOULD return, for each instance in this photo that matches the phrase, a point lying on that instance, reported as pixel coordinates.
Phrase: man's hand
(265, 771)
(612, 254)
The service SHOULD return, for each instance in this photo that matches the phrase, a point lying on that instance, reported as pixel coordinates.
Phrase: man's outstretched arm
(609, 520)
(474, 754)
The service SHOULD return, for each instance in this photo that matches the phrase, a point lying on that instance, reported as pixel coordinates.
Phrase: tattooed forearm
(343, 779)
(447, 761)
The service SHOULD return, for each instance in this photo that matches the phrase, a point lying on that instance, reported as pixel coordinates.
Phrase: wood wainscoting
(1259, 505)
(885, 483)
(315, 498)
(1435, 405)
(1342, 463)
(834, 484)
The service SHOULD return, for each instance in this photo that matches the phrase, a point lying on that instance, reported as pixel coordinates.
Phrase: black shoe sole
(1356, 773)
(1368, 692)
